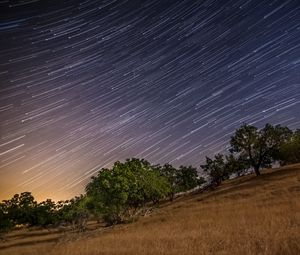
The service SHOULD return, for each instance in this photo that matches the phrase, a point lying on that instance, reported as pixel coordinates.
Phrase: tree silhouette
(216, 170)
(259, 147)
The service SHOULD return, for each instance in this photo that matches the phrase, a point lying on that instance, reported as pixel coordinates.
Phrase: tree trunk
(257, 172)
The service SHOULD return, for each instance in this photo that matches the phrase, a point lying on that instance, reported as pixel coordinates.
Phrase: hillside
(247, 215)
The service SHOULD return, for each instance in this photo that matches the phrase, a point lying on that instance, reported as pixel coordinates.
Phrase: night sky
(86, 83)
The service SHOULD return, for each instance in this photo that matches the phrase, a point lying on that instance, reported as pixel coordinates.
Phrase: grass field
(247, 215)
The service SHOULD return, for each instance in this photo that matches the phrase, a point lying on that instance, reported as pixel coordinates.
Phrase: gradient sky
(86, 83)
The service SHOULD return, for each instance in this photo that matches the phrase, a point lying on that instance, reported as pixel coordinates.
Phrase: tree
(20, 208)
(216, 169)
(119, 192)
(5, 222)
(259, 147)
(170, 173)
(187, 178)
(44, 214)
(182, 179)
(23, 209)
(74, 212)
(290, 151)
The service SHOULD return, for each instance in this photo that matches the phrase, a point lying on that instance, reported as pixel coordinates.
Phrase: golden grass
(248, 215)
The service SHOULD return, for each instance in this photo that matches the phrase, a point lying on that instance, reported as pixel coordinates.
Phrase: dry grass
(248, 215)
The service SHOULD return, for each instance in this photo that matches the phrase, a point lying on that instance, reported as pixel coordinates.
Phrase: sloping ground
(248, 215)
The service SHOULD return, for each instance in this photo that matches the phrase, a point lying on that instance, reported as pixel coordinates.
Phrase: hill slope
(248, 215)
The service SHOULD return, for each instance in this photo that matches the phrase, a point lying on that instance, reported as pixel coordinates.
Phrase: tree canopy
(119, 191)
(259, 147)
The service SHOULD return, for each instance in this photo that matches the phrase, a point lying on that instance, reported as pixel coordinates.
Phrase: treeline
(115, 195)
(23, 209)
(253, 149)
(118, 194)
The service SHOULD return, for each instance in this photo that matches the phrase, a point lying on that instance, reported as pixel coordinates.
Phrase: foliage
(5, 222)
(259, 147)
(216, 169)
(290, 151)
(74, 212)
(170, 173)
(118, 192)
(236, 165)
(20, 208)
(187, 178)
(182, 179)
(43, 214)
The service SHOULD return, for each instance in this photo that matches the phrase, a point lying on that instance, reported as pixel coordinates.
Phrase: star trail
(86, 83)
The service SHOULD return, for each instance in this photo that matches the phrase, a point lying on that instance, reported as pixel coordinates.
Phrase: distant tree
(187, 178)
(20, 208)
(44, 214)
(289, 152)
(259, 147)
(6, 223)
(216, 169)
(182, 179)
(23, 209)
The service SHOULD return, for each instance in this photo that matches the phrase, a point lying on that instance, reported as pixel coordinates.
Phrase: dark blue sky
(86, 83)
